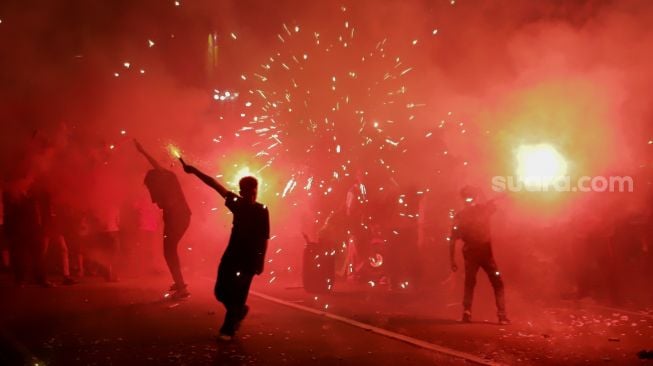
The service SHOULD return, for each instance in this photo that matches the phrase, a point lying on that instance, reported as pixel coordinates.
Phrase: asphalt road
(562, 332)
(129, 323)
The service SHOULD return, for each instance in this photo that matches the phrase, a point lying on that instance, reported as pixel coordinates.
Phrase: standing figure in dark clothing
(52, 228)
(245, 253)
(472, 226)
(24, 231)
(166, 192)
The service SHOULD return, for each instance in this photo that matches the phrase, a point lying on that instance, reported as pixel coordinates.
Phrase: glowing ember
(174, 151)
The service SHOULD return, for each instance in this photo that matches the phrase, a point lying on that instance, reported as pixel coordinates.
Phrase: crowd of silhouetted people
(60, 221)
(47, 243)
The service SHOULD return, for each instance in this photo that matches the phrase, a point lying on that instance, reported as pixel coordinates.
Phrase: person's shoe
(180, 294)
(225, 337)
(467, 316)
(69, 281)
(503, 320)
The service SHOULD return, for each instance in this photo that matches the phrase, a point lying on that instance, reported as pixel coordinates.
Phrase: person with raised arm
(244, 256)
(166, 193)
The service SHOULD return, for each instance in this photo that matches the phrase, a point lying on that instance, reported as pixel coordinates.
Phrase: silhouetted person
(166, 192)
(472, 226)
(357, 216)
(319, 262)
(52, 228)
(245, 253)
(24, 231)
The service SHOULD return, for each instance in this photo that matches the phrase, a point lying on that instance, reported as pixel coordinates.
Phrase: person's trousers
(58, 241)
(232, 289)
(27, 256)
(19, 258)
(483, 259)
(173, 230)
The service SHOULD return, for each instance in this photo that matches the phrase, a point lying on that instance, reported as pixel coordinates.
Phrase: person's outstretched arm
(139, 147)
(209, 181)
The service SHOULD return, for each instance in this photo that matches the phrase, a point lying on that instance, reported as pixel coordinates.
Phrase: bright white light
(540, 165)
